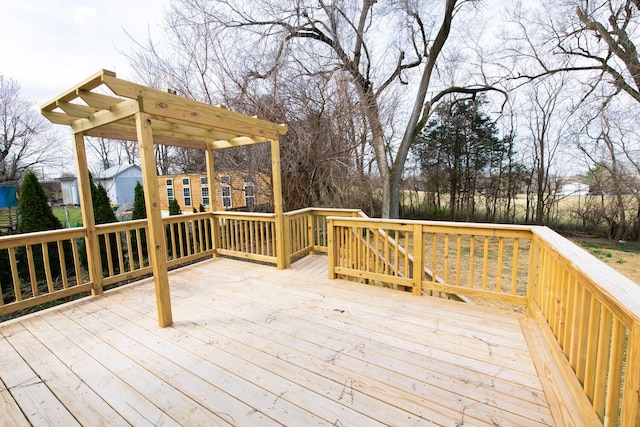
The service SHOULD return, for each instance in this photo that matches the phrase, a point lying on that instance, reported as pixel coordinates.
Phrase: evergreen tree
(174, 207)
(33, 208)
(139, 206)
(102, 210)
(34, 215)
(139, 212)
(460, 153)
(103, 214)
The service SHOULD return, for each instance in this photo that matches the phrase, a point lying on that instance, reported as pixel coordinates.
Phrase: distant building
(573, 188)
(120, 183)
(234, 190)
(69, 188)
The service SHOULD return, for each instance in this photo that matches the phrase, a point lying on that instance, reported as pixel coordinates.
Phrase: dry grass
(621, 256)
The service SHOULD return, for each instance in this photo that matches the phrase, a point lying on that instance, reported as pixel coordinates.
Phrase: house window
(204, 180)
(225, 179)
(205, 196)
(185, 182)
(170, 195)
(186, 193)
(226, 196)
(249, 195)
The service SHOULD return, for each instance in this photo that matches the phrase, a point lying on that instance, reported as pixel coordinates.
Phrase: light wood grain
(253, 345)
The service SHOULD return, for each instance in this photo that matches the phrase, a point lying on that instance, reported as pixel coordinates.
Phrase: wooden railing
(463, 259)
(189, 237)
(588, 313)
(246, 235)
(591, 318)
(123, 250)
(41, 267)
(307, 229)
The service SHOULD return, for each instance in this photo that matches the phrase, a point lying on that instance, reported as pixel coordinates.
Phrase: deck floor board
(253, 345)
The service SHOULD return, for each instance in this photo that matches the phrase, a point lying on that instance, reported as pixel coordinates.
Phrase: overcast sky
(48, 46)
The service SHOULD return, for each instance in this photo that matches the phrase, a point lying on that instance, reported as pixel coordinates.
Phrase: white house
(120, 183)
(574, 189)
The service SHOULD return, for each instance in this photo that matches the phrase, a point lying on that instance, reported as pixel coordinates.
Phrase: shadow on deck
(252, 345)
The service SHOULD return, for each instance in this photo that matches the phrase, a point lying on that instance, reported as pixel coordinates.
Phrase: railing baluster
(500, 261)
(458, 259)
(32, 271)
(14, 273)
(472, 258)
(514, 267)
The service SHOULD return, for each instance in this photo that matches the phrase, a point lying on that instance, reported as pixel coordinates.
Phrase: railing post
(311, 230)
(283, 257)
(215, 234)
(331, 249)
(94, 259)
(534, 273)
(418, 256)
(211, 179)
(630, 415)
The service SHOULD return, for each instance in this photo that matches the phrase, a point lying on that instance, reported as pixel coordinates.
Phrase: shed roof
(113, 171)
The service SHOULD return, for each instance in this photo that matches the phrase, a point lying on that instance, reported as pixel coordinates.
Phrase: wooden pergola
(105, 106)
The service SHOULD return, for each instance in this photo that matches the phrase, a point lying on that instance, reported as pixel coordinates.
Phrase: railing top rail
(444, 224)
(619, 292)
(122, 225)
(41, 237)
(321, 211)
(243, 214)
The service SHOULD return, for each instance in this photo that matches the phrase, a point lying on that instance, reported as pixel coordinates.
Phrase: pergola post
(94, 260)
(156, 235)
(282, 255)
(211, 179)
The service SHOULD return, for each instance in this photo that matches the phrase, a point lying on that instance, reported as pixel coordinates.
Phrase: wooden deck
(253, 345)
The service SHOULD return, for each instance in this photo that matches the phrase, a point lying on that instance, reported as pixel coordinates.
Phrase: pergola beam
(103, 117)
(89, 83)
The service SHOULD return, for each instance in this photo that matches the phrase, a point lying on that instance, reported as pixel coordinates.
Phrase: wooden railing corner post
(418, 257)
(331, 249)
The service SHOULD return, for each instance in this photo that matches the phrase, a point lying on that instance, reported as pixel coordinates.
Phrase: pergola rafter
(103, 105)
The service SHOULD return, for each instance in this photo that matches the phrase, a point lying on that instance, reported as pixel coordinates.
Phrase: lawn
(622, 256)
(75, 216)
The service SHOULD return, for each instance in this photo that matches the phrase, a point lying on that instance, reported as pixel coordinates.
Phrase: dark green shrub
(35, 215)
(103, 214)
(139, 212)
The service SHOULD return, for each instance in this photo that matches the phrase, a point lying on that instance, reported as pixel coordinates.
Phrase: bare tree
(379, 47)
(548, 125)
(22, 139)
(594, 38)
(614, 164)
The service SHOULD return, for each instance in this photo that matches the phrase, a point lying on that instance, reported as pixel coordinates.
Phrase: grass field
(75, 216)
(622, 256)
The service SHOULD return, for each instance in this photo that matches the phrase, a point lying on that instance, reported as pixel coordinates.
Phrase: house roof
(114, 171)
